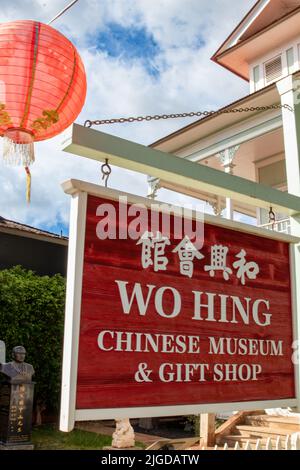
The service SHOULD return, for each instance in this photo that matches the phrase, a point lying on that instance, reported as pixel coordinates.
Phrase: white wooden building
(261, 146)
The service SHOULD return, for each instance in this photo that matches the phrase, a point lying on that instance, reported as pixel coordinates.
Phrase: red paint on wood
(106, 379)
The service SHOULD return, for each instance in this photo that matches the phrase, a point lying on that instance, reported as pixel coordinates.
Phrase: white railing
(282, 226)
(291, 442)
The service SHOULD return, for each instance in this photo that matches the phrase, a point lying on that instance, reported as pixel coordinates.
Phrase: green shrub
(32, 315)
(194, 422)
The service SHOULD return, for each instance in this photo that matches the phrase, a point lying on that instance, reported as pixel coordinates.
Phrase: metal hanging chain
(106, 171)
(272, 217)
(157, 117)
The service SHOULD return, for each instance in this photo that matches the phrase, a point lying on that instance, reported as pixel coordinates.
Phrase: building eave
(21, 230)
(218, 55)
(222, 54)
(235, 30)
(235, 72)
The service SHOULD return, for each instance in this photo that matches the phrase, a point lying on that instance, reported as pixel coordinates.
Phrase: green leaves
(32, 315)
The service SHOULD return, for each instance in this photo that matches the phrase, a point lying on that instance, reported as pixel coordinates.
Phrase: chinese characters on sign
(16, 418)
(153, 254)
(15, 413)
(20, 409)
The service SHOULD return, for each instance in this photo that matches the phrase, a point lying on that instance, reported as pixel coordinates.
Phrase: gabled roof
(245, 43)
(16, 228)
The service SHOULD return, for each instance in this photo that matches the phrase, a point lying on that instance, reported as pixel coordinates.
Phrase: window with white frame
(269, 70)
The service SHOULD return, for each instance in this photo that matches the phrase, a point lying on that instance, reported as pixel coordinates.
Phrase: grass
(47, 437)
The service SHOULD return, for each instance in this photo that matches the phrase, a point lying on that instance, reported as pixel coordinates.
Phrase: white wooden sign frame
(79, 191)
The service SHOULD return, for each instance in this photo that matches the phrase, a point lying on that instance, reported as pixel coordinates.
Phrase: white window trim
(262, 60)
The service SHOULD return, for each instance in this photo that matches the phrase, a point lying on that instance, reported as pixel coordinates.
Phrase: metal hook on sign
(272, 218)
(88, 123)
(106, 171)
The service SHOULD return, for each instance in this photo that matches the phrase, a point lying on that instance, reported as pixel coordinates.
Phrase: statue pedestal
(122, 449)
(16, 401)
(17, 447)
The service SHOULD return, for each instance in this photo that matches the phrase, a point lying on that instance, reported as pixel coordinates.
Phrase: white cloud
(188, 81)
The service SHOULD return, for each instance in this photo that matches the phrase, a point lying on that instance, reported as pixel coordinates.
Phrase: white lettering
(245, 346)
(236, 372)
(182, 372)
(209, 305)
(243, 313)
(255, 312)
(101, 340)
(137, 294)
(159, 302)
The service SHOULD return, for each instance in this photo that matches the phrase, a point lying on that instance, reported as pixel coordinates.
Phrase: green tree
(32, 315)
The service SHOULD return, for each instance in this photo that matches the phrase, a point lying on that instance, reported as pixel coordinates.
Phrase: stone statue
(123, 437)
(18, 371)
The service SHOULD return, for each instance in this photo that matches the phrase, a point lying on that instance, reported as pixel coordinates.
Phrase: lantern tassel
(28, 184)
(18, 152)
(18, 149)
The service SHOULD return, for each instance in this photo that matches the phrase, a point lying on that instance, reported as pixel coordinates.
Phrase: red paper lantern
(42, 87)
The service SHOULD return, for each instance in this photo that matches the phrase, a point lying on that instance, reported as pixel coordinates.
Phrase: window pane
(290, 59)
(256, 76)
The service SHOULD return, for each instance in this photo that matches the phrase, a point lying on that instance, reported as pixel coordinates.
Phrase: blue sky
(129, 44)
(141, 57)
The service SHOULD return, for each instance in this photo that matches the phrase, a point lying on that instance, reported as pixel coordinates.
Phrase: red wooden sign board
(166, 327)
